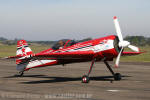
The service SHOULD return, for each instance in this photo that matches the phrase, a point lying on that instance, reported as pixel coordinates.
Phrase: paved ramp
(64, 82)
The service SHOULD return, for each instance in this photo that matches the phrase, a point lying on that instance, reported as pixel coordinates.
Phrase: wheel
(85, 79)
(21, 73)
(117, 77)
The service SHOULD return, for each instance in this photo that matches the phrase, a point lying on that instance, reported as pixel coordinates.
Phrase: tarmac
(64, 82)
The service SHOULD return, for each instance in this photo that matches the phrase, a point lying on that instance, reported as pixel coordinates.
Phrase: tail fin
(22, 50)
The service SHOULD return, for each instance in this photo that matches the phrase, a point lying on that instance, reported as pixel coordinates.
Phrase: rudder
(23, 50)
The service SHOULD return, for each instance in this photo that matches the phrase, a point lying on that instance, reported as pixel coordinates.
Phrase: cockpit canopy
(63, 44)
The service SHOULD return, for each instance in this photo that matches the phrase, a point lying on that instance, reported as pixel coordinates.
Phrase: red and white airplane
(68, 51)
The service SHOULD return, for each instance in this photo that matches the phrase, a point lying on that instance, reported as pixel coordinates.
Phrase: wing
(131, 53)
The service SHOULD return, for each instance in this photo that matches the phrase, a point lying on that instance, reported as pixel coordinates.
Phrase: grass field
(6, 50)
(144, 57)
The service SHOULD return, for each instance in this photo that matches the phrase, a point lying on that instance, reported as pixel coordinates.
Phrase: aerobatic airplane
(68, 51)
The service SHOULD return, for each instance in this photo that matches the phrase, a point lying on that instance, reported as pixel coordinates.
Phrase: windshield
(63, 44)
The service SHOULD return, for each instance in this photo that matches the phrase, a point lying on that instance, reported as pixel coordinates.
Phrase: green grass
(144, 57)
(6, 50)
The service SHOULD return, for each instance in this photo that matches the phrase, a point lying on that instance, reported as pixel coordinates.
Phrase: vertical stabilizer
(22, 50)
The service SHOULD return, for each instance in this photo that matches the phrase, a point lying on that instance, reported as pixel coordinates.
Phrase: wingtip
(115, 17)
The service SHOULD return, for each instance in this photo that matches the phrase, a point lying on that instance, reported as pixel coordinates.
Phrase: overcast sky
(74, 19)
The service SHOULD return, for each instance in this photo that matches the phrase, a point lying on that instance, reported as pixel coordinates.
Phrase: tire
(117, 77)
(85, 79)
(21, 74)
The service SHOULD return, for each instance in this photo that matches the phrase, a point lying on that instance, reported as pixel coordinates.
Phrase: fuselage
(103, 48)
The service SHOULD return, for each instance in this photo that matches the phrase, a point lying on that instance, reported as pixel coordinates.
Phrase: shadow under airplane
(63, 79)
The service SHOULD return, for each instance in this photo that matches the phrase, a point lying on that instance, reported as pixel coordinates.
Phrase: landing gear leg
(20, 74)
(85, 78)
(117, 76)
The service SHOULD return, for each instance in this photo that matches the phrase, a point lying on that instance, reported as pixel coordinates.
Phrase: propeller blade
(134, 48)
(118, 30)
(118, 58)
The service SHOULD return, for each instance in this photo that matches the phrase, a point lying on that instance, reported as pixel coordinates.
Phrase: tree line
(138, 40)
(135, 40)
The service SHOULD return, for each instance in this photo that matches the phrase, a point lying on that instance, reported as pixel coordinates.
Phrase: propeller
(118, 58)
(122, 43)
(134, 48)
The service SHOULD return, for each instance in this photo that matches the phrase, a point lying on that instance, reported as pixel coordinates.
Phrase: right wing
(131, 53)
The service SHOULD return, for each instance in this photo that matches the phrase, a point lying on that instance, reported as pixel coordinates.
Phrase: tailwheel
(85, 79)
(117, 76)
(21, 73)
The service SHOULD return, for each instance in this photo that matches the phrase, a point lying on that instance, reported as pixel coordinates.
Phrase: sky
(72, 19)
